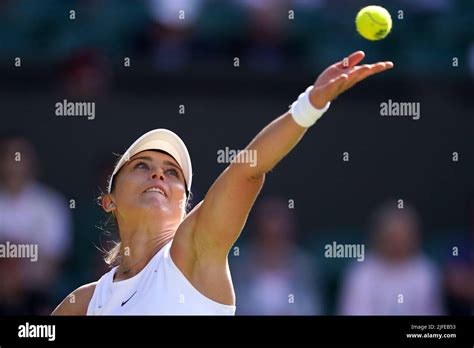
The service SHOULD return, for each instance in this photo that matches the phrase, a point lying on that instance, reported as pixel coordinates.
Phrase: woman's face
(151, 184)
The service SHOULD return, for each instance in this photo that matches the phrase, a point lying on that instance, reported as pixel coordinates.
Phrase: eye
(141, 165)
(173, 172)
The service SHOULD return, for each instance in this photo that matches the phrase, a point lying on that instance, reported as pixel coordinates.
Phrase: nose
(154, 176)
(158, 172)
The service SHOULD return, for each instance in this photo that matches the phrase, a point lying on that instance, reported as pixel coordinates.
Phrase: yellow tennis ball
(373, 22)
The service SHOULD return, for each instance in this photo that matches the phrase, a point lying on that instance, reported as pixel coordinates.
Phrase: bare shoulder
(76, 302)
(209, 275)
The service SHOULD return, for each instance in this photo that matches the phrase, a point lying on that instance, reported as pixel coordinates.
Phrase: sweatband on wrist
(304, 113)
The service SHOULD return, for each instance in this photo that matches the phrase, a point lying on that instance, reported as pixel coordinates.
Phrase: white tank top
(158, 289)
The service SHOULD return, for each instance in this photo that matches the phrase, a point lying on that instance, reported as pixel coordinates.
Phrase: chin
(156, 206)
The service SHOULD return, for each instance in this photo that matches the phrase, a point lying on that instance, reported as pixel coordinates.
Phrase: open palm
(341, 76)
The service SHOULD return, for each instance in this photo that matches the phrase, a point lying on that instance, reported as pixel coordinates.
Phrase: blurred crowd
(84, 38)
(275, 276)
(30, 213)
(273, 273)
(276, 269)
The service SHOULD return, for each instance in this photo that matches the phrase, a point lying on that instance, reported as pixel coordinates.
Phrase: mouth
(157, 189)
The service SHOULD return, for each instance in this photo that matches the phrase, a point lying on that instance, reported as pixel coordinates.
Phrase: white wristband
(304, 113)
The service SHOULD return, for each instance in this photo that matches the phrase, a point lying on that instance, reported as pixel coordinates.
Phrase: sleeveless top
(158, 289)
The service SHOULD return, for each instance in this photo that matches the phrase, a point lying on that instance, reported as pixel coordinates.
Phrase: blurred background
(216, 74)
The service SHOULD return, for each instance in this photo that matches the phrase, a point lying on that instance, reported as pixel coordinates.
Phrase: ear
(108, 204)
(182, 204)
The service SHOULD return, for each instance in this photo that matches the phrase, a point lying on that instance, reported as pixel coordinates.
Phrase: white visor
(163, 140)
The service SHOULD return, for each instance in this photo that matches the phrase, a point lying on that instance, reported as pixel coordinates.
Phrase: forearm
(277, 139)
(225, 209)
(271, 145)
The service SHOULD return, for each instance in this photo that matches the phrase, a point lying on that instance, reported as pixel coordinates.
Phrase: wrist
(316, 100)
(304, 112)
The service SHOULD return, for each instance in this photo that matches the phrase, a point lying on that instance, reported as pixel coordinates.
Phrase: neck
(138, 246)
(15, 188)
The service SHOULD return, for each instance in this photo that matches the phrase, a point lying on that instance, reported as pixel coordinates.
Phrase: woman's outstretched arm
(220, 217)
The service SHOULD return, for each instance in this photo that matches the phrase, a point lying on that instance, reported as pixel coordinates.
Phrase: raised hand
(341, 76)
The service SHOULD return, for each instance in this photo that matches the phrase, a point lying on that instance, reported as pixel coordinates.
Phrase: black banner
(328, 330)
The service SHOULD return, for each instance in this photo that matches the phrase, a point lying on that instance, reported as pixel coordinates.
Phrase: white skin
(146, 220)
(204, 237)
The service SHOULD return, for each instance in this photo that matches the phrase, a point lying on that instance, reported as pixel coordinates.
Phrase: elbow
(248, 172)
(258, 177)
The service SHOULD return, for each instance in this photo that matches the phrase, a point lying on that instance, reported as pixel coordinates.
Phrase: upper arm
(221, 216)
(76, 303)
(215, 224)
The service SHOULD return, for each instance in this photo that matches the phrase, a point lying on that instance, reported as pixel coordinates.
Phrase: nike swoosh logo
(124, 302)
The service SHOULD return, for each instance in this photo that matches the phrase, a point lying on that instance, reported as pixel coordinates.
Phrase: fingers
(360, 73)
(352, 75)
(351, 61)
(355, 75)
(358, 70)
(336, 85)
(381, 66)
(376, 68)
(369, 68)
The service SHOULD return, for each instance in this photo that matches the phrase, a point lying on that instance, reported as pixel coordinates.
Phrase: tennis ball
(373, 22)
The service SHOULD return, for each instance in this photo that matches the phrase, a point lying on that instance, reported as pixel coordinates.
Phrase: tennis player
(175, 263)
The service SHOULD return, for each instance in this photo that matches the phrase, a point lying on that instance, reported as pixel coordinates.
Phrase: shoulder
(424, 266)
(76, 302)
(362, 272)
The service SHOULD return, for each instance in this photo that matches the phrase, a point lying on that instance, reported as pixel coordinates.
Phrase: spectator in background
(459, 273)
(267, 32)
(395, 278)
(172, 31)
(85, 74)
(274, 276)
(30, 213)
